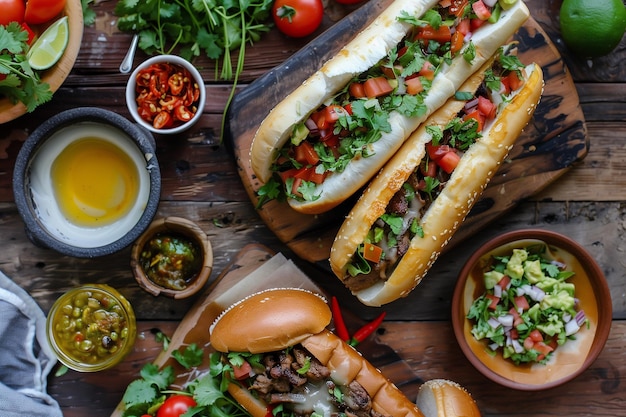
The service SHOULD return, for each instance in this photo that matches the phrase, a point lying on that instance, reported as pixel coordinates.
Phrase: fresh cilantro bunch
(18, 81)
(147, 394)
(213, 27)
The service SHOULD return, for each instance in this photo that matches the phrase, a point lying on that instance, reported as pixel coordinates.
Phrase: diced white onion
(506, 320)
(517, 347)
(497, 291)
(490, 3)
(571, 327)
(493, 323)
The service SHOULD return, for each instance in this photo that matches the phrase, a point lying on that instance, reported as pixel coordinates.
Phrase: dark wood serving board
(553, 141)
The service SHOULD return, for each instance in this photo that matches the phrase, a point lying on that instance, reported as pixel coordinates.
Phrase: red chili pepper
(367, 329)
(340, 325)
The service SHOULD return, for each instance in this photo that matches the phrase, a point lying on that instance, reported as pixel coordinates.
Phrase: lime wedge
(50, 45)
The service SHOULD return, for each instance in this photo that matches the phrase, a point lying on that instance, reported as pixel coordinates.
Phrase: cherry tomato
(42, 11)
(12, 11)
(175, 405)
(298, 18)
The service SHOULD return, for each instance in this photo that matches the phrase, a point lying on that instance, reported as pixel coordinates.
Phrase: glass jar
(91, 328)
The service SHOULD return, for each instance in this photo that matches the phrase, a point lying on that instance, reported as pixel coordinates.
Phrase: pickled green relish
(171, 261)
(90, 327)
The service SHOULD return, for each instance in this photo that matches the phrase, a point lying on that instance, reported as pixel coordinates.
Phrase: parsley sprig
(19, 82)
(146, 394)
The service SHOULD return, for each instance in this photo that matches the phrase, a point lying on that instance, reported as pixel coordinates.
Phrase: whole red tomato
(175, 405)
(12, 11)
(42, 11)
(298, 18)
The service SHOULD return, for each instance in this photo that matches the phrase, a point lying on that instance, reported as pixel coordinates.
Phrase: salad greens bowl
(531, 309)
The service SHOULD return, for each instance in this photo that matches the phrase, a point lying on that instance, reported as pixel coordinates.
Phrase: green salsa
(90, 327)
(171, 261)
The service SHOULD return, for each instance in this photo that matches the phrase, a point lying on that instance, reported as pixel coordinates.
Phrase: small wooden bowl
(175, 226)
(570, 359)
(56, 75)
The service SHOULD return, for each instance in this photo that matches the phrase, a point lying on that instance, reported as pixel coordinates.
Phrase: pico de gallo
(528, 308)
(390, 236)
(345, 127)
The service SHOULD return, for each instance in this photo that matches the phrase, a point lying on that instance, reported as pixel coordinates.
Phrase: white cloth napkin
(25, 356)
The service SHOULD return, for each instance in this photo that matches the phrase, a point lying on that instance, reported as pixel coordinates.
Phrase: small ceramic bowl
(568, 360)
(176, 125)
(172, 257)
(91, 328)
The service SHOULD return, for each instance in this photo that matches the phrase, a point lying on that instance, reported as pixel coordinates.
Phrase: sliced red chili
(182, 113)
(162, 120)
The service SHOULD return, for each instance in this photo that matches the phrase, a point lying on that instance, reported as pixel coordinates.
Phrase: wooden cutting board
(254, 269)
(553, 141)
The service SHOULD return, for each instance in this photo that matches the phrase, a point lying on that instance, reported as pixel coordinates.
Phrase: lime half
(50, 45)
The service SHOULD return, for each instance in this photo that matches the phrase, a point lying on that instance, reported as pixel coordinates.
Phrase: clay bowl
(143, 254)
(568, 360)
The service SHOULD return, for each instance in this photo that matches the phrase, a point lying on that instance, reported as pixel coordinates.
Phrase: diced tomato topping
(521, 302)
(536, 336)
(494, 301)
(413, 86)
(528, 343)
(543, 349)
(476, 115)
(372, 252)
(327, 117)
(517, 319)
(427, 71)
(243, 371)
(482, 11)
(376, 87)
(330, 139)
(442, 34)
(456, 43)
(356, 90)
(514, 334)
(463, 26)
(449, 161)
(436, 151)
(475, 24)
(305, 154)
(486, 107)
(445, 3)
(514, 81)
(504, 282)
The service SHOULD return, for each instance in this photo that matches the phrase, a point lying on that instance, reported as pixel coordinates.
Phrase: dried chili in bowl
(166, 94)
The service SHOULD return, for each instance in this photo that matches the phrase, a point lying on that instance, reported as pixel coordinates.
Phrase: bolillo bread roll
(437, 222)
(445, 398)
(274, 320)
(326, 188)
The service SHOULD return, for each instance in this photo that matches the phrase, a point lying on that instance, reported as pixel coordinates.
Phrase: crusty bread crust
(450, 208)
(445, 398)
(270, 320)
(363, 52)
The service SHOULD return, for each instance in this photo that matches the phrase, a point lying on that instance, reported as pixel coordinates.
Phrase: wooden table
(201, 182)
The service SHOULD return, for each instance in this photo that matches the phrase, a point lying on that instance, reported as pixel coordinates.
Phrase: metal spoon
(127, 62)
